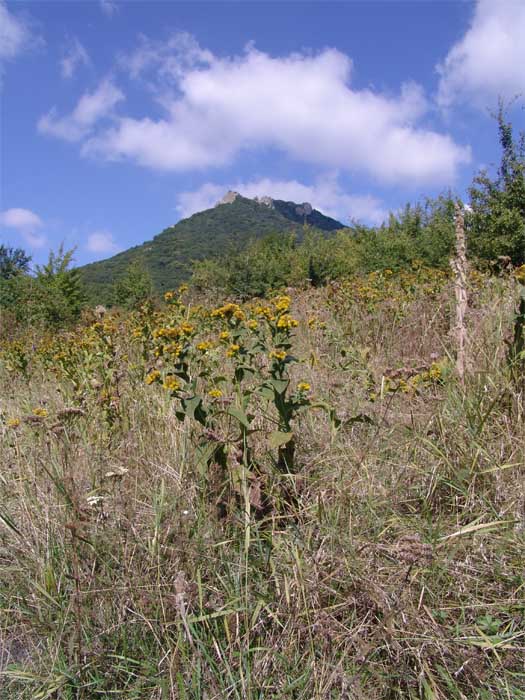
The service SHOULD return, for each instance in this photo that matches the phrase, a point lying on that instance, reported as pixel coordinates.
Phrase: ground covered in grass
(295, 498)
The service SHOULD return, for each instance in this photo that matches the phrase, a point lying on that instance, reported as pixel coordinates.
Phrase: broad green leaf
(278, 438)
(240, 415)
(193, 408)
(280, 385)
(203, 455)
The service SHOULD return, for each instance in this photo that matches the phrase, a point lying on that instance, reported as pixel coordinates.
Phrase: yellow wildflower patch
(233, 350)
(152, 376)
(171, 383)
(287, 322)
(282, 303)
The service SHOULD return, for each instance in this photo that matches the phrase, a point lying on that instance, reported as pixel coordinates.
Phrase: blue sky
(119, 118)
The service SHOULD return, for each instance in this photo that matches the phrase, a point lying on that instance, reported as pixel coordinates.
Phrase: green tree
(14, 266)
(53, 296)
(59, 294)
(496, 225)
(13, 261)
(134, 287)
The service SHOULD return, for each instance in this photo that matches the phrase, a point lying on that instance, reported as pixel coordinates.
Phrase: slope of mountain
(230, 225)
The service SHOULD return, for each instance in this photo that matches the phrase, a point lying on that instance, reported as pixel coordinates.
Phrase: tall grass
(394, 567)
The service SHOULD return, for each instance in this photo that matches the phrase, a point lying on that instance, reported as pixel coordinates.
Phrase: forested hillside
(222, 230)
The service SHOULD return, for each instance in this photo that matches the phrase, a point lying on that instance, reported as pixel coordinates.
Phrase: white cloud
(26, 223)
(489, 60)
(75, 55)
(326, 195)
(91, 108)
(101, 242)
(301, 105)
(170, 59)
(109, 7)
(15, 34)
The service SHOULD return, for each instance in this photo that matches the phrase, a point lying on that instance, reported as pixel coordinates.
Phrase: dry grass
(396, 569)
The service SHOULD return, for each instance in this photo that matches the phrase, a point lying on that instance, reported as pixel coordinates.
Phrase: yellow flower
(183, 288)
(519, 274)
(187, 328)
(171, 383)
(278, 354)
(224, 335)
(42, 412)
(169, 296)
(215, 393)
(282, 303)
(435, 372)
(173, 349)
(252, 324)
(233, 350)
(229, 311)
(164, 332)
(303, 386)
(13, 422)
(286, 321)
(204, 346)
(264, 311)
(152, 376)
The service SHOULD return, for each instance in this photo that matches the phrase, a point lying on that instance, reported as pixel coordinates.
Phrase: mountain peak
(228, 198)
(206, 234)
(299, 210)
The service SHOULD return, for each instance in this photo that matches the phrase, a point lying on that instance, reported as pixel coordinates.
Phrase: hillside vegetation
(222, 230)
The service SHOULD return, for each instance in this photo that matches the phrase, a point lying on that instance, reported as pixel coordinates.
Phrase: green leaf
(265, 392)
(280, 385)
(203, 454)
(240, 415)
(193, 408)
(278, 438)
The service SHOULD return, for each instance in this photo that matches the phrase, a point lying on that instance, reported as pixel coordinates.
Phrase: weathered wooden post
(459, 266)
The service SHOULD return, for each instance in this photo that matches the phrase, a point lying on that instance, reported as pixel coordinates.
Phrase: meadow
(293, 497)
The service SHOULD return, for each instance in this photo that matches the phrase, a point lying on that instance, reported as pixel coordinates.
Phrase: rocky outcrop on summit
(228, 198)
(267, 201)
(298, 213)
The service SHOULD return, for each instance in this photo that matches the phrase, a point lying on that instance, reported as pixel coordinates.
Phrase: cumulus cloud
(75, 56)
(168, 60)
(15, 34)
(91, 108)
(301, 105)
(109, 7)
(101, 242)
(326, 195)
(26, 223)
(489, 59)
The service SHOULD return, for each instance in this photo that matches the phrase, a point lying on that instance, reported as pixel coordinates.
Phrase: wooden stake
(459, 266)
